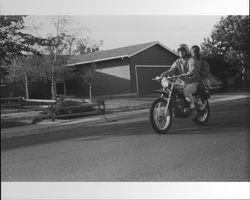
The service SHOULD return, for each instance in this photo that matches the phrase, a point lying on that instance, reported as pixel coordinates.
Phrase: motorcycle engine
(182, 108)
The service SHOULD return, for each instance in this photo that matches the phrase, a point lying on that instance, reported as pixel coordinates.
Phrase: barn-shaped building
(125, 70)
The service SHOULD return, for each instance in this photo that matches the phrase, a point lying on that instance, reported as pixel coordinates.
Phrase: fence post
(104, 109)
(21, 101)
(52, 112)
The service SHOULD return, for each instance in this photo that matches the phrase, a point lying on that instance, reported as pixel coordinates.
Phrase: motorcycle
(172, 103)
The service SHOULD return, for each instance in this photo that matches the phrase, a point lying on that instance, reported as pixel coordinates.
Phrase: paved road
(129, 150)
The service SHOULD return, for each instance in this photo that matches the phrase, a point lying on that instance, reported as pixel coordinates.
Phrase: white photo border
(126, 190)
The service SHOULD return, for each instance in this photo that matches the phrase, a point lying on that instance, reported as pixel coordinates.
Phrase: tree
(14, 42)
(60, 44)
(35, 68)
(229, 41)
(13, 76)
(65, 42)
(228, 47)
(59, 73)
(56, 47)
(87, 45)
(25, 69)
(89, 77)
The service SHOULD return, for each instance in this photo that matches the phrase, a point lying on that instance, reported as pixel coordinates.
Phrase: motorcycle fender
(205, 95)
(162, 92)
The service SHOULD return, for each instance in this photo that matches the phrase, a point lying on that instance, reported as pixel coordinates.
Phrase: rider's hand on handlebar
(158, 78)
(174, 76)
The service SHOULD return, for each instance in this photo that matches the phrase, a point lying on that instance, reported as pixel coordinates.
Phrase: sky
(127, 22)
(123, 30)
(117, 31)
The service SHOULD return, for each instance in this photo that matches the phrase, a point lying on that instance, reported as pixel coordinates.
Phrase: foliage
(229, 41)
(38, 68)
(87, 45)
(25, 55)
(64, 34)
(67, 43)
(71, 45)
(13, 42)
(89, 75)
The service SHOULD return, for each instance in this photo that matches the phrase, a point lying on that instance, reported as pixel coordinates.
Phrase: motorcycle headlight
(164, 82)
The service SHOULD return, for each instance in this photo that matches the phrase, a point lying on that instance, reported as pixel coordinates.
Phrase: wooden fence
(56, 108)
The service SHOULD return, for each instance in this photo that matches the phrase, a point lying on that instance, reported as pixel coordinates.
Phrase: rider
(189, 73)
(180, 65)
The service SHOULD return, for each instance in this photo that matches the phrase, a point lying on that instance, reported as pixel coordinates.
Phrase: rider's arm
(193, 68)
(193, 71)
(172, 71)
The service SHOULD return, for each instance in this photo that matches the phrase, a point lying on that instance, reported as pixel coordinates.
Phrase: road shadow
(13, 123)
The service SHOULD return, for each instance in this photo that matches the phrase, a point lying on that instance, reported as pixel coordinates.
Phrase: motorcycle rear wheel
(203, 115)
(160, 121)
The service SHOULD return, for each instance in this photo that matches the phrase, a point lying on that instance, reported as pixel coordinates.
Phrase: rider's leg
(188, 91)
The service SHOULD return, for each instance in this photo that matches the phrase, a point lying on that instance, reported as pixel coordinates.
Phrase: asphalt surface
(129, 150)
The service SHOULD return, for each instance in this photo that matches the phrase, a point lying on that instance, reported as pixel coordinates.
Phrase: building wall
(112, 77)
(119, 76)
(156, 55)
(112, 80)
(144, 75)
(76, 87)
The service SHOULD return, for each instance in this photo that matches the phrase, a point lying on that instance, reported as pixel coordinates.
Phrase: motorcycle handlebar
(176, 76)
(157, 78)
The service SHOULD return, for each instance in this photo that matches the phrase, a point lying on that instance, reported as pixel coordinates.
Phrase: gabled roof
(122, 52)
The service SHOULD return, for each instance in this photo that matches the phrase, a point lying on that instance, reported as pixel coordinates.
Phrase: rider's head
(183, 50)
(195, 51)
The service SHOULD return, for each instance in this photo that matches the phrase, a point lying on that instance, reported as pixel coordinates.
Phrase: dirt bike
(172, 103)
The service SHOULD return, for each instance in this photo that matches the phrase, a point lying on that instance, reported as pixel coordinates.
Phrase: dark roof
(127, 51)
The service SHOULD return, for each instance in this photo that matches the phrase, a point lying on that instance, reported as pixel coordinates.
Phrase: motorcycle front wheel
(160, 116)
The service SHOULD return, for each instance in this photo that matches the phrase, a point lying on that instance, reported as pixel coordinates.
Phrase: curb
(51, 132)
(42, 132)
(66, 124)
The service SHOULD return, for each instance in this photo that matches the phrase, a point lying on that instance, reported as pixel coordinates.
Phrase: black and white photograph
(108, 99)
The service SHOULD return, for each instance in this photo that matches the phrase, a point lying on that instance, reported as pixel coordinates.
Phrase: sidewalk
(28, 114)
(117, 109)
(11, 118)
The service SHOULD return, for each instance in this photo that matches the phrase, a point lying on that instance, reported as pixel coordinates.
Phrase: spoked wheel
(160, 116)
(203, 113)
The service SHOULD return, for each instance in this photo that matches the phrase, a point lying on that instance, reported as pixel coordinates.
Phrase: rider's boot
(193, 111)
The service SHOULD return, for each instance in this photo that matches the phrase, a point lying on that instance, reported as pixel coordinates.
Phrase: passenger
(193, 78)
